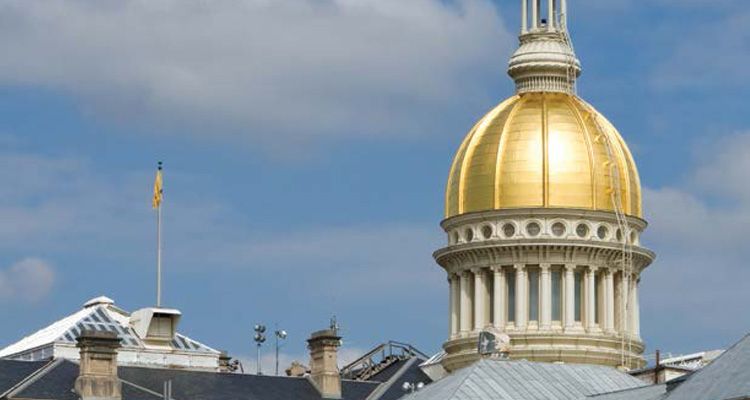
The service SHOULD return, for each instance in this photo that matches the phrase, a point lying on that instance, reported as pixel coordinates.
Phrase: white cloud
(699, 230)
(29, 280)
(61, 207)
(283, 71)
(712, 52)
(338, 261)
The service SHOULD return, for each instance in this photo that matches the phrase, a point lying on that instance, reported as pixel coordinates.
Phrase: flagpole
(158, 257)
(158, 251)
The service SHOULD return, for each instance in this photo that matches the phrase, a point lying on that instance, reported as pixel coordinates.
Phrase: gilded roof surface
(542, 150)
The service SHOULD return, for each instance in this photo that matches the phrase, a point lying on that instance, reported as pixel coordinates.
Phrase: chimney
(97, 378)
(324, 369)
(225, 362)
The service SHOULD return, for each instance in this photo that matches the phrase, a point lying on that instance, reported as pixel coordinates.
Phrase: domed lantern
(557, 188)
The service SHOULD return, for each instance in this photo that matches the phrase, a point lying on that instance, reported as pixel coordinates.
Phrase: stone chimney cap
(98, 336)
(325, 333)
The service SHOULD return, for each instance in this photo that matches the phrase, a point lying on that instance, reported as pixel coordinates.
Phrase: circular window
(509, 230)
(618, 235)
(456, 237)
(533, 229)
(558, 229)
(633, 237)
(582, 230)
(602, 232)
(487, 231)
(469, 235)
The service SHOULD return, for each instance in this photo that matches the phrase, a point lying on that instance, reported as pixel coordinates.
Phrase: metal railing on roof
(379, 358)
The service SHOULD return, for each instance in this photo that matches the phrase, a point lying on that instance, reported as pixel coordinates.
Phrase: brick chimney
(97, 378)
(324, 369)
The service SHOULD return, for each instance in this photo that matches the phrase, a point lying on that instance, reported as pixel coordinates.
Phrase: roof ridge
(60, 326)
(143, 389)
(32, 378)
(471, 372)
(628, 389)
(384, 386)
(707, 367)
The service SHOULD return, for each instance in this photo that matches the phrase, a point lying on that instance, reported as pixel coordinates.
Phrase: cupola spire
(545, 60)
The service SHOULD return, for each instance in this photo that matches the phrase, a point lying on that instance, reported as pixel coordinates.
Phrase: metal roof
(98, 314)
(140, 383)
(653, 392)
(727, 377)
(523, 380)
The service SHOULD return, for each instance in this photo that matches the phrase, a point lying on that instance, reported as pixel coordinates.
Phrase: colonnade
(555, 9)
(543, 297)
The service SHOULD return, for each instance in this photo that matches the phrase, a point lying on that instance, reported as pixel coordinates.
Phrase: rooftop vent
(155, 325)
(101, 300)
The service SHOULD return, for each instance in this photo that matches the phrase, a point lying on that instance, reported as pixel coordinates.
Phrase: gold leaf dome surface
(542, 150)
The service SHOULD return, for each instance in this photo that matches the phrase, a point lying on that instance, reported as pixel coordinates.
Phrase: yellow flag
(156, 201)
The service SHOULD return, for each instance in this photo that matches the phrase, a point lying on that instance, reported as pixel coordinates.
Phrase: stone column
(546, 297)
(479, 295)
(633, 312)
(637, 308)
(551, 15)
(455, 303)
(569, 314)
(609, 301)
(522, 296)
(465, 307)
(624, 304)
(498, 298)
(591, 298)
(534, 14)
(524, 16)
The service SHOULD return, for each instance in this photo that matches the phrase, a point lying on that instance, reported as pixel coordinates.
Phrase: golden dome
(542, 150)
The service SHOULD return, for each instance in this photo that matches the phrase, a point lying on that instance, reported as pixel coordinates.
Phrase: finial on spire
(545, 61)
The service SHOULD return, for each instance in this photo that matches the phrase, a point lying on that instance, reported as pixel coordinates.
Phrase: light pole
(259, 339)
(279, 335)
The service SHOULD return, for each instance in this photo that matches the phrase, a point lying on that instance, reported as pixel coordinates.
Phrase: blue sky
(306, 146)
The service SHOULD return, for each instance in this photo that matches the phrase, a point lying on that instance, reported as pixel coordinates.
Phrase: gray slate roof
(727, 377)
(56, 381)
(13, 372)
(522, 380)
(653, 392)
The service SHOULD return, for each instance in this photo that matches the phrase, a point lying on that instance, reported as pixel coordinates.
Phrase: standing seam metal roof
(727, 377)
(522, 380)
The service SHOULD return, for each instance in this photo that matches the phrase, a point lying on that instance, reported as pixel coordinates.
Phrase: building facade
(543, 218)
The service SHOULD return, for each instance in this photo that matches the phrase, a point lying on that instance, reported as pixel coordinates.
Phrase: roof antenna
(335, 324)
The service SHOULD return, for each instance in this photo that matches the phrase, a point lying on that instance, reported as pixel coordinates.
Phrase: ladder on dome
(615, 190)
(626, 254)
(562, 23)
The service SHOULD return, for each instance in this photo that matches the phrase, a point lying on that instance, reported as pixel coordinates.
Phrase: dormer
(155, 326)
